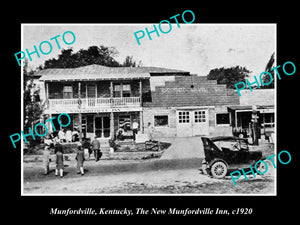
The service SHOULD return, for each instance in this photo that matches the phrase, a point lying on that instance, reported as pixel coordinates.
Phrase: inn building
(100, 99)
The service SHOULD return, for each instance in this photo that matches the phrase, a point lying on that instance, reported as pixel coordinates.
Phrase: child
(46, 158)
(80, 159)
(59, 160)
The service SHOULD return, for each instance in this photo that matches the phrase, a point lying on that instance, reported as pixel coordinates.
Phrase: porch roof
(98, 72)
(249, 107)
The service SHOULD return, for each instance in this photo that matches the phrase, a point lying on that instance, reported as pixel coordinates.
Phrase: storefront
(102, 99)
(243, 117)
(102, 123)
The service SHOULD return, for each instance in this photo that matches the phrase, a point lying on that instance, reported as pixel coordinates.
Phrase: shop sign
(98, 110)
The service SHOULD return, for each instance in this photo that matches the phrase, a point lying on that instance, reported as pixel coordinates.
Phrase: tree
(93, 55)
(266, 78)
(33, 107)
(229, 76)
(130, 62)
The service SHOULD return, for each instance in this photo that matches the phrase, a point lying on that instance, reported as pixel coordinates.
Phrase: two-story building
(99, 99)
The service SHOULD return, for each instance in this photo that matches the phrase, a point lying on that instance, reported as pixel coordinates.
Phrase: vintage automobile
(226, 153)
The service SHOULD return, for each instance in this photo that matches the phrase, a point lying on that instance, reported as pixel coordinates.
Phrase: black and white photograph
(127, 112)
(129, 109)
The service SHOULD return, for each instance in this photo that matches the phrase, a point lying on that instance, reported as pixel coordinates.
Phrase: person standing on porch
(135, 127)
(69, 136)
(61, 136)
(96, 147)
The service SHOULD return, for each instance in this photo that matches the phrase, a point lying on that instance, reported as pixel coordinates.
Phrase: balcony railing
(90, 103)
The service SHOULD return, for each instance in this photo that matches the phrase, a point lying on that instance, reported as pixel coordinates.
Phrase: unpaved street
(143, 177)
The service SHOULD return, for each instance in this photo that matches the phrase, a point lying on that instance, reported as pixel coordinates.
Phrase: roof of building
(187, 91)
(249, 107)
(98, 72)
(258, 97)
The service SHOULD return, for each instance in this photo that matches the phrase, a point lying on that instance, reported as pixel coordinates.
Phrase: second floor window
(122, 90)
(68, 92)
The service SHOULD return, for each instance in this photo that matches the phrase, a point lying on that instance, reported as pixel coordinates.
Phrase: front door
(200, 122)
(102, 126)
(184, 128)
(192, 123)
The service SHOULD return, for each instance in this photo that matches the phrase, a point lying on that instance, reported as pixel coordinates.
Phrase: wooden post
(141, 122)
(111, 93)
(46, 94)
(80, 127)
(141, 112)
(236, 120)
(112, 126)
(141, 91)
(80, 116)
(46, 90)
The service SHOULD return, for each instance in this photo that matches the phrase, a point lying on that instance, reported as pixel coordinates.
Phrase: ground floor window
(161, 121)
(184, 117)
(199, 116)
(222, 118)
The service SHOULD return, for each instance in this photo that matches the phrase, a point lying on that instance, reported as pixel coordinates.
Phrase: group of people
(58, 151)
(68, 135)
(135, 126)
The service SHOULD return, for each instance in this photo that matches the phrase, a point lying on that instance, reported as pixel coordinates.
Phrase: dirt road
(139, 177)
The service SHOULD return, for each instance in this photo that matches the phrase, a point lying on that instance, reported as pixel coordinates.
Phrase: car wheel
(219, 170)
(262, 168)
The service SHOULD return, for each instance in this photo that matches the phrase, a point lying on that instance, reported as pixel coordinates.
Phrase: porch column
(140, 92)
(80, 127)
(46, 94)
(111, 93)
(46, 90)
(141, 122)
(112, 126)
(80, 116)
(235, 113)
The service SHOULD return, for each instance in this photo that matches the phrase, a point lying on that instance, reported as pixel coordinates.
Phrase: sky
(196, 48)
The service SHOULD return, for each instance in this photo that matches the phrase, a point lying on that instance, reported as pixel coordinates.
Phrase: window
(184, 117)
(200, 116)
(161, 121)
(68, 92)
(117, 90)
(223, 118)
(122, 90)
(269, 117)
(126, 90)
(91, 91)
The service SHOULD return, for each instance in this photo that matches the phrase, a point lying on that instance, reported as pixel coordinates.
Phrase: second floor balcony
(93, 103)
(93, 94)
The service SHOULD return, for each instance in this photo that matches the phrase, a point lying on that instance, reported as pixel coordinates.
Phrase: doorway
(102, 126)
(192, 123)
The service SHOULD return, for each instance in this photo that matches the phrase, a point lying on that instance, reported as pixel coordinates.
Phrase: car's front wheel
(219, 169)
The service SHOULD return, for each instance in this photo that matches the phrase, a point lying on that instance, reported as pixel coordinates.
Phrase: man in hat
(135, 127)
(96, 147)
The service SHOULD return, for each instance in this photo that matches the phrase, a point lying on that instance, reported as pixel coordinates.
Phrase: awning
(248, 108)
